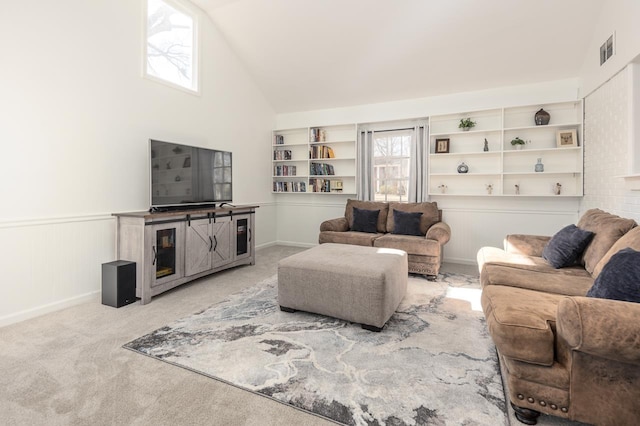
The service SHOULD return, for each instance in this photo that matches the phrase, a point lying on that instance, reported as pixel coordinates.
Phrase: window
(170, 45)
(391, 160)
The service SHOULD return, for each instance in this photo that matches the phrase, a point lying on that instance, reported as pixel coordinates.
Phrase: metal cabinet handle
(210, 243)
(155, 255)
(216, 240)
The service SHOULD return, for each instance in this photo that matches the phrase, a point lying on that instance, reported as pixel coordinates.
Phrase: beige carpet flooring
(68, 367)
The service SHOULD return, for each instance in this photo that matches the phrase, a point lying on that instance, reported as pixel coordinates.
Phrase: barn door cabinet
(172, 248)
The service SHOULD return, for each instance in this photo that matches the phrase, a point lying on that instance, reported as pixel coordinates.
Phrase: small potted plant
(517, 143)
(466, 124)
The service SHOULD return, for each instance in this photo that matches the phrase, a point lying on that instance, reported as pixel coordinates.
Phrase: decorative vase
(486, 145)
(518, 147)
(463, 168)
(539, 166)
(542, 118)
(466, 129)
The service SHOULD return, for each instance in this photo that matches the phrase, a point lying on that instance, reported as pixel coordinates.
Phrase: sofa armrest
(601, 327)
(339, 224)
(530, 245)
(440, 232)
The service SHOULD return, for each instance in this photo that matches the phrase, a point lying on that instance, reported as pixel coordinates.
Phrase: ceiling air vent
(606, 50)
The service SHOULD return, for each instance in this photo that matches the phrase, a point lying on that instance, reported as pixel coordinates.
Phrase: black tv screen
(187, 175)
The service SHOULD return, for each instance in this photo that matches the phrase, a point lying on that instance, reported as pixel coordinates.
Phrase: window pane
(170, 46)
(391, 166)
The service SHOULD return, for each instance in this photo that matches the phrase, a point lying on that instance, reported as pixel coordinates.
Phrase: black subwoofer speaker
(118, 283)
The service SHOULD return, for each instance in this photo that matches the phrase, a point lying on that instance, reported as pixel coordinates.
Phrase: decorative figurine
(557, 189)
(489, 188)
(443, 188)
(539, 166)
(486, 145)
(517, 189)
(463, 168)
(168, 165)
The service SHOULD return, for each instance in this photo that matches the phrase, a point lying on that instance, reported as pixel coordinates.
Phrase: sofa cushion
(566, 246)
(368, 205)
(630, 239)
(530, 272)
(430, 214)
(619, 278)
(365, 220)
(607, 229)
(520, 322)
(406, 223)
(413, 245)
(348, 237)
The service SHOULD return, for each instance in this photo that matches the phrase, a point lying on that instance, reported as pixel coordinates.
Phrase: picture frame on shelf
(567, 138)
(442, 146)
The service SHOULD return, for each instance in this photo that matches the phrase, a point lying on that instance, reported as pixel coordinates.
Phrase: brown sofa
(424, 251)
(562, 353)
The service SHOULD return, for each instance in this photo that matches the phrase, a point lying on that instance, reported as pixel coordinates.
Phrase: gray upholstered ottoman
(355, 283)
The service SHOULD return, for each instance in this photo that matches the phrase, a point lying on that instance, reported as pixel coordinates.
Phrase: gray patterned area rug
(432, 364)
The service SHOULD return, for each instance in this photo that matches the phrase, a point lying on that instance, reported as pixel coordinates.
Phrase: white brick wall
(606, 150)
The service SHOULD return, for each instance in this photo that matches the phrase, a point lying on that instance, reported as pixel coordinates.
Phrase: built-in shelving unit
(509, 171)
(320, 160)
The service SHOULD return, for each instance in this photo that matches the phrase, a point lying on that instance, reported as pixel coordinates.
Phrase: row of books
(317, 135)
(282, 154)
(284, 170)
(325, 185)
(321, 151)
(321, 169)
(278, 140)
(289, 187)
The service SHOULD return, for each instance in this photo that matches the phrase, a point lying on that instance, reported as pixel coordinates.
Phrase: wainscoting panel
(299, 220)
(474, 223)
(472, 229)
(52, 264)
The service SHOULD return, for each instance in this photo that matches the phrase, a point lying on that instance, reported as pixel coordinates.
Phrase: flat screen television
(188, 176)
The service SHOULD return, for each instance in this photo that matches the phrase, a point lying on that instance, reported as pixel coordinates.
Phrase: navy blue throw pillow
(564, 248)
(365, 220)
(406, 223)
(620, 278)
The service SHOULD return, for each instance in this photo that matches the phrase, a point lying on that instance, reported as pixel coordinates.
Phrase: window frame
(195, 65)
(374, 179)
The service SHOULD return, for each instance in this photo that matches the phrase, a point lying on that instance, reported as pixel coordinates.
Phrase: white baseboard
(295, 244)
(460, 260)
(45, 309)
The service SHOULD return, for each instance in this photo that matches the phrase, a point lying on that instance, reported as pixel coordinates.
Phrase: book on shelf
(325, 185)
(321, 151)
(282, 154)
(289, 187)
(321, 169)
(317, 134)
(284, 170)
(278, 140)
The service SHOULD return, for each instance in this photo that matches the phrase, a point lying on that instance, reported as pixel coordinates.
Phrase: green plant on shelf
(466, 124)
(517, 141)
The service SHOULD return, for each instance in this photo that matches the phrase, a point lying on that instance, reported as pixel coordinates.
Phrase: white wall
(608, 148)
(483, 221)
(75, 120)
(620, 17)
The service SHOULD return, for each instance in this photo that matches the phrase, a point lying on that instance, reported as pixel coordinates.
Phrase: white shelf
(503, 166)
(341, 139)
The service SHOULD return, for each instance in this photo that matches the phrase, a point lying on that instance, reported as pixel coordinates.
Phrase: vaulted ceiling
(314, 54)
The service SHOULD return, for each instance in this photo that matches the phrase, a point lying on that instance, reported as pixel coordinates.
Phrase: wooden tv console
(174, 247)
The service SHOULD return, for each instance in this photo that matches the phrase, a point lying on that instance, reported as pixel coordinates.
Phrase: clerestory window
(171, 44)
